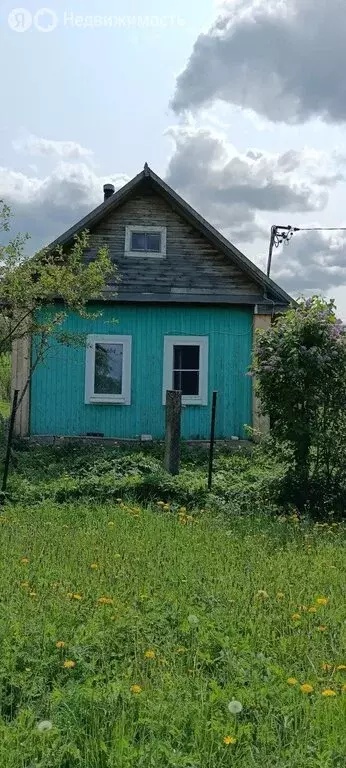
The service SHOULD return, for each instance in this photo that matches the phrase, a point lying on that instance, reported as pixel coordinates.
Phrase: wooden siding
(192, 265)
(57, 393)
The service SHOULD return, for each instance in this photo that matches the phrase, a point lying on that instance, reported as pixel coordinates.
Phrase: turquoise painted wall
(57, 392)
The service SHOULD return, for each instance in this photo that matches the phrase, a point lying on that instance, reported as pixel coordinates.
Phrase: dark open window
(186, 368)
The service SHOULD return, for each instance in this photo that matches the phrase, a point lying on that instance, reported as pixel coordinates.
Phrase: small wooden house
(187, 305)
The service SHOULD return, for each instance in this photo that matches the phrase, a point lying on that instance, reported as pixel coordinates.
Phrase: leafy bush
(300, 370)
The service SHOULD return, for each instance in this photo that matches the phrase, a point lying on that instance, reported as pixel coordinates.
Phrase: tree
(300, 368)
(63, 278)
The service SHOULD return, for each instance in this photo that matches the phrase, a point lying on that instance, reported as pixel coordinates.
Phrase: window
(185, 368)
(108, 369)
(145, 241)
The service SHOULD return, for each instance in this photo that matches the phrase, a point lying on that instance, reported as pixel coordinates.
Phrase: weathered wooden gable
(192, 266)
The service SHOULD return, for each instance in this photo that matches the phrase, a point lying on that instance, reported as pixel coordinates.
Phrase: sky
(239, 105)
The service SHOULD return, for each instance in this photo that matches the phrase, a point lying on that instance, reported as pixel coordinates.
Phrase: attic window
(145, 241)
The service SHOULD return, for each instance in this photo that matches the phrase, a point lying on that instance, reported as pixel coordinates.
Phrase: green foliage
(5, 377)
(241, 482)
(64, 278)
(212, 599)
(300, 371)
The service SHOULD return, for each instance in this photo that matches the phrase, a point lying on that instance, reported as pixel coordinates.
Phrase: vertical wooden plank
(173, 430)
(21, 354)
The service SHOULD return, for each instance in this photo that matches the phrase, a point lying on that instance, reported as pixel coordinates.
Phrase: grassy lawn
(130, 629)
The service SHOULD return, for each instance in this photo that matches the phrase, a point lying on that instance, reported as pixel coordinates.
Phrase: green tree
(60, 277)
(300, 368)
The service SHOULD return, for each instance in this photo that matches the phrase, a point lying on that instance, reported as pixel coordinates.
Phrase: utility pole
(279, 235)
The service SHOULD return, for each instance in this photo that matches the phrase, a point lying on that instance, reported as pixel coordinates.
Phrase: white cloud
(46, 207)
(36, 146)
(284, 59)
(233, 189)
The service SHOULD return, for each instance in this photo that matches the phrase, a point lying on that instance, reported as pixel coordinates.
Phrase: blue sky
(248, 141)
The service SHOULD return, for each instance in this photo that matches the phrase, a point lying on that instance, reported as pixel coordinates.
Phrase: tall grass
(227, 609)
(5, 383)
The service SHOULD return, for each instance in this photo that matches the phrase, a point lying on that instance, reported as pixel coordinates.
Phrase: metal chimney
(108, 190)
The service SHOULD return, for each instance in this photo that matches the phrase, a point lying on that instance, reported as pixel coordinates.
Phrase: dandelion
(60, 644)
(306, 688)
(182, 510)
(150, 654)
(296, 616)
(262, 593)
(312, 609)
(193, 620)
(181, 650)
(25, 584)
(44, 725)
(110, 524)
(166, 507)
(70, 595)
(321, 628)
(229, 740)
(234, 707)
(32, 594)
(94, 566)
(77, 596)
(292, 681)
(343, 688)
(105, 600)
(328, 692)
(136, 689)
(69, 664)
(160, 503)
(322, 600)
(24, 560)
(280, 596)
(326, 667)
(340, 667)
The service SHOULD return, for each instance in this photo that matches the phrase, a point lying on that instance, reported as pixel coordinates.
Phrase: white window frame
(145, 254)
(203, 343)
(124, 398)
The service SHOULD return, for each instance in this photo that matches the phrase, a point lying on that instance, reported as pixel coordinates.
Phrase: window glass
(146, 241)
(108, 369)
(186, 368)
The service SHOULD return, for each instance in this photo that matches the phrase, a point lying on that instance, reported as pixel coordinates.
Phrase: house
(187, 306)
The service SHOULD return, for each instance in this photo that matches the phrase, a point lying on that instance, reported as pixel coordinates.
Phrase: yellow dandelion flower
(328, 692)
(111, 524)
(322, 600)
(24, 560)
(326, 667)
(229, 740)
(292, 681)
(182, 510)
(343, 688)
(69, 664)
(77, 596)
(32, 594)
(306, 688)
(94, 566)
(280, 595)
(150, 654)
(136, 689)
(105, 600)
(321, 628)
(25, 584)
(340, 667)
(296, 616)
(166, 507)
(312, 609)
(181, 650)
(60, 644)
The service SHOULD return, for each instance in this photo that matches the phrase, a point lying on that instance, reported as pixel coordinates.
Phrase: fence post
(9, 445)
(173, 430)
(212, 441)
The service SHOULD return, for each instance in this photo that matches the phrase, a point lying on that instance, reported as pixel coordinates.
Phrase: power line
(283, 234)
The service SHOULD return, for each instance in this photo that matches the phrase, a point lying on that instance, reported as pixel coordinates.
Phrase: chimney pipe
(108, 190)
